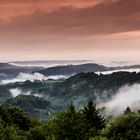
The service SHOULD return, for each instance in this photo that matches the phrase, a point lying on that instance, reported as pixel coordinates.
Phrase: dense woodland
(71, 124)
(56, 95)
(63, 111)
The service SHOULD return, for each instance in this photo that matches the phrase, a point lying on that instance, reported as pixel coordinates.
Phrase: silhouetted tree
(67, 125)
(127, 111)
(93, 121)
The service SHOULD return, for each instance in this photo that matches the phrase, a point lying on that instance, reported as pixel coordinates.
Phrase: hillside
(93, 85)
(73, 69)
(6, 66)
(12, 70)
(77, 89)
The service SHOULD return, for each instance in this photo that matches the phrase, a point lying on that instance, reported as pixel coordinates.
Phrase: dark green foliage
(12, 133)
(33, 106)
(73, 123)
(67, 125)
(78, 88)
(37, 133)
(93, 120)
(88, 85)
(126, 127)
(4, 94)
(86, 124)
(14, 116)
(77, 125)
(9, 130)
(98, 138)
(91, 114)
(29, 101)
(127, 111)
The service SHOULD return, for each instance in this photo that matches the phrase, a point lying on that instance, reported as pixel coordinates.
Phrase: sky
(70, 30)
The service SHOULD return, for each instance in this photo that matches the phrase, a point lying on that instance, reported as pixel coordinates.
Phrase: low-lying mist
(17, 91)
(126, 96)
(122, 70)
(51, 63)
(22, 77)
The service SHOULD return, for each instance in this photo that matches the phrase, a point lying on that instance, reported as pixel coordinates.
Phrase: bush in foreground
(126, 127)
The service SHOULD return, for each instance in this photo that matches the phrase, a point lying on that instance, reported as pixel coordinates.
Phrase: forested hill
(71, 124)
(83, 84)
(12, 70)
(75, 69)
(93, 85)
(56, 95)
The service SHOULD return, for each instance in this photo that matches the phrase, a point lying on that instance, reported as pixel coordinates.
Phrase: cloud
(20, 1)
(16, 91)
(48, 64)
(106, 29)
(104, 18)
(48, 1)
(126, 96)
(137, 70)
(22, 77)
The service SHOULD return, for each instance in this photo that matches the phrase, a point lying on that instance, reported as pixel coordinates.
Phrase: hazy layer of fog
(53, 63)
(16, 91)
(124, 70)
(22, 77)
(47, 64)
(126, 96)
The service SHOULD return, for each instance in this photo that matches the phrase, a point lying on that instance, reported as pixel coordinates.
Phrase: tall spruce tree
(93, 120)
(67, 125)
(127, 111)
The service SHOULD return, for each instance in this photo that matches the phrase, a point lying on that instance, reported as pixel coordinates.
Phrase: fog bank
(22, 77)
(123, 70)
(126, 96)
(16, 91)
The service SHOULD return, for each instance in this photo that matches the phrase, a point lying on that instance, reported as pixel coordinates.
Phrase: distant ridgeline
(12, 69)
(42, 98)
(75, 69)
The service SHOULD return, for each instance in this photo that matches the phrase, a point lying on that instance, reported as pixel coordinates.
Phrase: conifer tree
(127, 111)
(93, 121)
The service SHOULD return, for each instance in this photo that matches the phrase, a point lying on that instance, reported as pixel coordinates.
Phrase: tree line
(70, 124)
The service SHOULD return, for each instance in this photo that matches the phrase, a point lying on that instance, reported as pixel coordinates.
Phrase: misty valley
(45, 93)
(69, 69)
